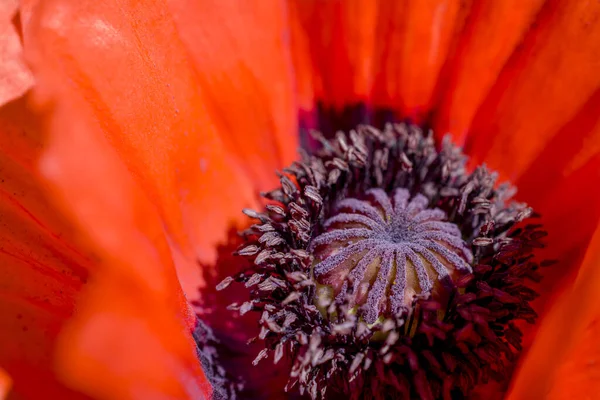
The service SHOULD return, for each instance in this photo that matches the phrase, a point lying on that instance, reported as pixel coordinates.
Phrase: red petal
(388, 54)
(5, 384)
(493, 30)
(579, 375)
(562, 363)
(41, 271)
(127, 343)
(137, 152)
(558, 186)
(135, 296)
(199, 119)
(15, 77)
(333, 46)
(45, 266)
(240, 53)
(543, 86)
(414, 41)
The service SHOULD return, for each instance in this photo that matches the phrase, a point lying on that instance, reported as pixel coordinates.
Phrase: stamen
(423, 265)
(223, 384)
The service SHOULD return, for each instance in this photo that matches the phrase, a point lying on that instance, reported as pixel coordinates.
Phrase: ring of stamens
(388, 251)
(324, 206)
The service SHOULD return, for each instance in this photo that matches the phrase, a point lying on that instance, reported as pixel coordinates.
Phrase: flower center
(387, 252)
(383, 266)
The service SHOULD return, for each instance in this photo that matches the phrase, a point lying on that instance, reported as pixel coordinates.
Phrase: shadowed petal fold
(562, 363)
(134, 307)
(559, 184)
(42, 272)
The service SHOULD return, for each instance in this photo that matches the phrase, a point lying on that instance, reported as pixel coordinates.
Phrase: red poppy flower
(138, 132)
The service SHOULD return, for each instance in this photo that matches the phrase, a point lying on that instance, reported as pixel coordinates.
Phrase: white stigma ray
(400, 231)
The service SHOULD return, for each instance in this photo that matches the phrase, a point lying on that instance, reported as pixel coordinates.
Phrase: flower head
(134, 134)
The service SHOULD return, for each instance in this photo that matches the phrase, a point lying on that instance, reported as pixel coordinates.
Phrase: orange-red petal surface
(563, 361)
(15, 77)
(387, 54)
(414, 53)
(134, 294)
(333, 45)
(240, 54)
(493, 31)
(42, 272)
(51, 278)
(542, 87)
(160, 132)
(197, 117)
(560, 185)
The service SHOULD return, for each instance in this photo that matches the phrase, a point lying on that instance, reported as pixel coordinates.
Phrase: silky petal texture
(414, 53)
(45, 271)
(42, 272)
(198, 118)
(563, 362)
(138, 116)
(240, 54)
(387, 54)
(333, 43)
(560, 185)
(543, 86)
(131, 337)
(492, 32)
(15, 77)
